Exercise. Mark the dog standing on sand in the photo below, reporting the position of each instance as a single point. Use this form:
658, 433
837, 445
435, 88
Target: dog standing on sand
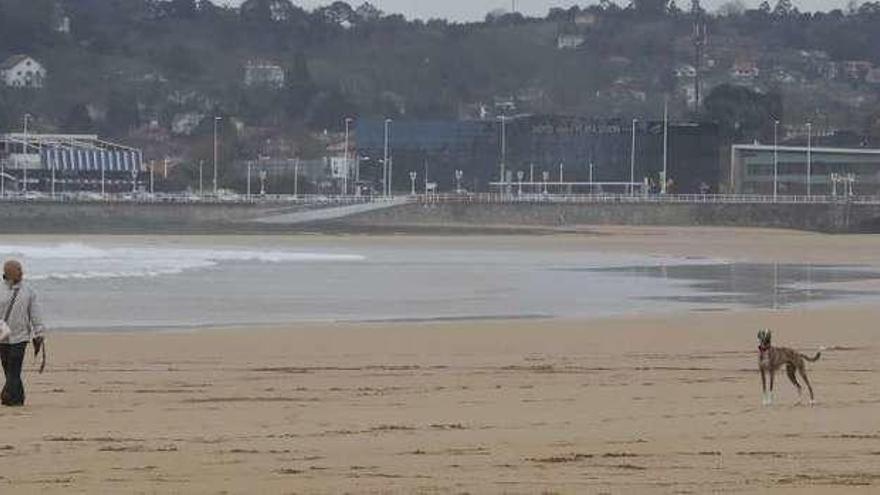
771, 358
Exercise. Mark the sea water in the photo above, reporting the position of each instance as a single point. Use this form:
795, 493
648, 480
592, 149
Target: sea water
104, 283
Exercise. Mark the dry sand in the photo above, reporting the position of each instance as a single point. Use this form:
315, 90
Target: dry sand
667, 404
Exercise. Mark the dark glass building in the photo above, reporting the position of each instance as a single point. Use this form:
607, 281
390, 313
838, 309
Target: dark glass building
538, 144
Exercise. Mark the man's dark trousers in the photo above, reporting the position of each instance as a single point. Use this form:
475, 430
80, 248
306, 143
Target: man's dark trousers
12, 356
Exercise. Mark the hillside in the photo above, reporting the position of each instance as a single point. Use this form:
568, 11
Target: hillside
154, 72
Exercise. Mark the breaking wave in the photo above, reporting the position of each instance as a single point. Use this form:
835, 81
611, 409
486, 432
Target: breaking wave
80, 261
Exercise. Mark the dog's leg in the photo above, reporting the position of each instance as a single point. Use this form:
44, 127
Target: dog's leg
763, 387
790, 370
772, 373
803, 373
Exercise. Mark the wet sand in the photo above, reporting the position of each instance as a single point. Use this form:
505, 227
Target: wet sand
666, 404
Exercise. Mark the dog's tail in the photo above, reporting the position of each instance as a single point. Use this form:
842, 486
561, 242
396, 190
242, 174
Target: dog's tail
816, 357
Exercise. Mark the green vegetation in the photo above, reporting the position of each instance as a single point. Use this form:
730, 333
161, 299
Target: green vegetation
128, 68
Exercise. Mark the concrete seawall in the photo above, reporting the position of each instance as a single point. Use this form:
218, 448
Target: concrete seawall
133, 218
99, 217
832, 218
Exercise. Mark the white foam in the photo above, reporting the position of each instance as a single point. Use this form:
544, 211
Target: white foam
76, 261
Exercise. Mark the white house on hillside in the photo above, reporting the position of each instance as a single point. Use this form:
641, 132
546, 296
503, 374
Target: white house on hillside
22, 71
263, 73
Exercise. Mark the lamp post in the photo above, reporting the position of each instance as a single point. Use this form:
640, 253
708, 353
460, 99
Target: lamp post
632, 159
503, 165
426, 176
561, 174
458, 175
248, 188
412, 183
347, 163
386, 166
809, 159
775, 159
27, 118
296, 178
201, 176
217, 120
102, 176
665, 143
592, 187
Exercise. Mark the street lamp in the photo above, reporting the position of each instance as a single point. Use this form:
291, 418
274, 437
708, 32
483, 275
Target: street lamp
27, 117
775, 159
809, 159
458, 175
201, 176
217, 120
412, 180
248, 187
632, 159
348, 121
264, 175
592, 189
296, 178
503, 151
386, 165
665, 143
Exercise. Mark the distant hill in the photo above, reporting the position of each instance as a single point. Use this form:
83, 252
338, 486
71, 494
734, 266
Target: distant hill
129, 68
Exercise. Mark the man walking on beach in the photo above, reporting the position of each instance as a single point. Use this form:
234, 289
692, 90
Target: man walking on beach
21, 312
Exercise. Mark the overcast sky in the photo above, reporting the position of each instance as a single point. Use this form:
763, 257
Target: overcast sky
477, 9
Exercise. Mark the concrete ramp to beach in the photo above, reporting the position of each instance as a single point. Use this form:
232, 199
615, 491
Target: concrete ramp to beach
330, 213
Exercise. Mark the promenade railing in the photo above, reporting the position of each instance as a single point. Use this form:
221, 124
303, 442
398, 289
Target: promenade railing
318, 200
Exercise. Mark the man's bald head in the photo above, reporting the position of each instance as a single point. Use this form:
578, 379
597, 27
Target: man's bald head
12, 272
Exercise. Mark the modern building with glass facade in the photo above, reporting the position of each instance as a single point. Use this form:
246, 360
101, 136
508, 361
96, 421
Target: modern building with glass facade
754, 167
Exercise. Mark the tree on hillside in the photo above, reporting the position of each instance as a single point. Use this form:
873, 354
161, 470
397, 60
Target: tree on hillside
742, 113
25, 23
649, 7
267, 11
336, 14
300, 86
368, 12
184, 9
784, 9
78, 120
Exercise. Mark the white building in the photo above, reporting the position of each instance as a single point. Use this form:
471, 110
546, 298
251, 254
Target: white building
570, 41
745, 70
261, 73
685, 71
22, 71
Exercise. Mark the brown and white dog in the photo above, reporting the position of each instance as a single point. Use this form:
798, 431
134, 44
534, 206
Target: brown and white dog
771, 358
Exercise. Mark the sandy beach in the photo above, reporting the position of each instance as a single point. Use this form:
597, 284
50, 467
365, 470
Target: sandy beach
655, 403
